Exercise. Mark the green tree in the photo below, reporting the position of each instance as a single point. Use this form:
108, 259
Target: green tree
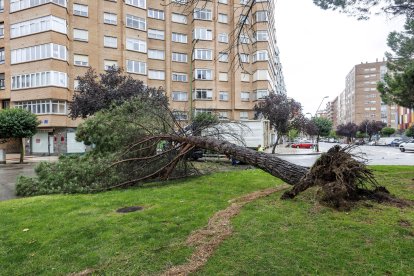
410, 131
388, 131
292, 134
323, 128
18, 123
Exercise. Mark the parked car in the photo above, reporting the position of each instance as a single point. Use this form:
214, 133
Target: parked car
396, 142
359, 142
303, 145
405, 146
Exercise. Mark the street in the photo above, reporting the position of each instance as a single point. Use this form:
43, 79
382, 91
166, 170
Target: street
376, 155
8, 176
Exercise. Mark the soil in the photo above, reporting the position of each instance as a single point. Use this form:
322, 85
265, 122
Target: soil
130, 209
207, 239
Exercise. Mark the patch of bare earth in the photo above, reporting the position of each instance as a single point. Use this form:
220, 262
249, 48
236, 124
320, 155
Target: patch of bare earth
207, 239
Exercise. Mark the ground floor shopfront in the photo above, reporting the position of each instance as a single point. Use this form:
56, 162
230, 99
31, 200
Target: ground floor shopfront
54, 141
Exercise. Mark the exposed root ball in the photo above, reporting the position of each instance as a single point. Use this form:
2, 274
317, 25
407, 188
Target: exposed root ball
344, 178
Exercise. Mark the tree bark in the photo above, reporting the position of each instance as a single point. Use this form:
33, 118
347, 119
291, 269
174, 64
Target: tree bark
21, 151
284, 170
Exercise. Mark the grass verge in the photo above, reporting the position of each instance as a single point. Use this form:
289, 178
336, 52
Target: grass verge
65, 234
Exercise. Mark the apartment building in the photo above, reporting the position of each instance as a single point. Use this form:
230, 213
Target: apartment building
46, 44
361, 100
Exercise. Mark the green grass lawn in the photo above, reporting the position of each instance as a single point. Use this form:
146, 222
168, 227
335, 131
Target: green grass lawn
75, 232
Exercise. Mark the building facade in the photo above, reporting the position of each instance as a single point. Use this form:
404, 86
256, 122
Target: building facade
361, 100
189, 51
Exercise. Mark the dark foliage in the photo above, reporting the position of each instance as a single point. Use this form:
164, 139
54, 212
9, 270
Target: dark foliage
111, 88
371, 128
282, 112
363, 9
348, 130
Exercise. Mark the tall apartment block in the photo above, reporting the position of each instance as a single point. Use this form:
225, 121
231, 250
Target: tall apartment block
46, 44
361, 100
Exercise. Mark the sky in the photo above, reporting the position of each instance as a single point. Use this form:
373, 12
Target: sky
319, 48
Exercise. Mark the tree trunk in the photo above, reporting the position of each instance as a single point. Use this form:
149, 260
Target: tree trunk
286, 171
317, 143
21, 151
276, 143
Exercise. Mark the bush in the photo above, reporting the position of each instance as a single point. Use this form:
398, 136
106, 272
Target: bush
72, 174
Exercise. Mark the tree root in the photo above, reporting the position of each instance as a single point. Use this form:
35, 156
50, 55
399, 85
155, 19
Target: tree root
207, 239
344, 180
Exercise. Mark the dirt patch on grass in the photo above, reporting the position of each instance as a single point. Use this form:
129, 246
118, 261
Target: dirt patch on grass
207, 239
86, 272
404, 223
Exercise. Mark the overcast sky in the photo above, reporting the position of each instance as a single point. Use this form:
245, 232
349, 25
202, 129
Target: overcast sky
319, 48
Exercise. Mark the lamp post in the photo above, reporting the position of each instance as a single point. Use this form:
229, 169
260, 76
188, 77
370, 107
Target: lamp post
316, 113
191, 80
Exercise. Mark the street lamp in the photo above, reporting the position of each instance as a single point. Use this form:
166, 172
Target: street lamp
316, 113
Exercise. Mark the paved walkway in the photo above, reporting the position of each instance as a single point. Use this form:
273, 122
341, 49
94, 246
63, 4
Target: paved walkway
10, 171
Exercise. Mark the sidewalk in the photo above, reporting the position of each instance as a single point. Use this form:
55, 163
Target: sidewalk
15, 158
283, 150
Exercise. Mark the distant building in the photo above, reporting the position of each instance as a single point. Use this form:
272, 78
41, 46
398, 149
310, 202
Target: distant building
361, 100
405, 118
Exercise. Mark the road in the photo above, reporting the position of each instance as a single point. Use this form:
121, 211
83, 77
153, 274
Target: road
8, 176
376, 155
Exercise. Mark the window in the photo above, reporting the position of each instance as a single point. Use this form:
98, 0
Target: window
110, 18
180, 77
156, 75
82, 35
42, 24
202, 14
81, 60
80, 10
223, 2
110, 41
244, 39
1, 29
203, 74
203, 94
223, 38
202, 34
261, 75
156, 34
262, 36
137, 3
179, 96
156, 54
39, 79
156, 14
137, 67
223, 57
180, 38
5, 104
44, 106
244, 2
203, 54
244, 19
179, 18
222, 18
223, 115
245, 77
2, 81
244, 115
179, 57
223, 96
110, 64
245, 96
223, 76
261, 16
261, 94
180, 115
244, 58
1, 5
16, 5
136, 45
136, 22
260, 56
2, 56
76, 85
38, 52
